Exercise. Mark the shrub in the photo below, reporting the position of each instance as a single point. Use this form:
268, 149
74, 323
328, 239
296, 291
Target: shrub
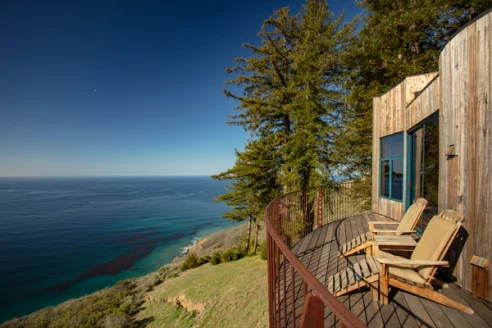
149, 287
263, 251
228, 255
156, 280
216, 258
190, 262
117, 321
152, 282
240, 253
110, 307
43, 321
203, 260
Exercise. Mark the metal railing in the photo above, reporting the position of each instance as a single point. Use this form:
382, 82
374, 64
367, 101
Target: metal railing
295, 296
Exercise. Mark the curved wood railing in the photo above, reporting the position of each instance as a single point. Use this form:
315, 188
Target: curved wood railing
295, 296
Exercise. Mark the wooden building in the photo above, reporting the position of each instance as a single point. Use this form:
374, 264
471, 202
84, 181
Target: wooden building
432, 138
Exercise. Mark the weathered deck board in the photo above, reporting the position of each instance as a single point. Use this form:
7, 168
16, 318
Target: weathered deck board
319, 252
483, 309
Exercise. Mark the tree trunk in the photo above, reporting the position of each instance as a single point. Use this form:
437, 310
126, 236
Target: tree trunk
256, 235
248, 240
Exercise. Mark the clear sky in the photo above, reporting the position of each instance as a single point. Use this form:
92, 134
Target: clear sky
123, 87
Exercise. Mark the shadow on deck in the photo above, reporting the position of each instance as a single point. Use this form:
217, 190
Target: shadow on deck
319, 252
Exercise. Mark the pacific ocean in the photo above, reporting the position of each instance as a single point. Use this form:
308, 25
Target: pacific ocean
62, 238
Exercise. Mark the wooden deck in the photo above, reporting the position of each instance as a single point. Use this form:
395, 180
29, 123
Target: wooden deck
318, 251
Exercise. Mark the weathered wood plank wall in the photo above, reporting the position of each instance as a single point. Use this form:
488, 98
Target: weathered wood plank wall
425, 104
375, 153
465, 181
390, 112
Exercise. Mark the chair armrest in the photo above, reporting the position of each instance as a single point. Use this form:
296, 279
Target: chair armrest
394, 241
392, 231
372, 223
410, 263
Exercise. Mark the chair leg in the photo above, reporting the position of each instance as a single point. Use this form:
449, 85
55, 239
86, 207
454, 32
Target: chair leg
430, 294
374, 291
439, 283
383, 283
374, 249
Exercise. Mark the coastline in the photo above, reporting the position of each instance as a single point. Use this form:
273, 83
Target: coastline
205, 246
218, 241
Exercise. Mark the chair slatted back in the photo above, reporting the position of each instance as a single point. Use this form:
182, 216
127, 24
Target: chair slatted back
413, 214
436, 240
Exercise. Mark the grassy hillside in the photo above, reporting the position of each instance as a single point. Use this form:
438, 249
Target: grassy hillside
231, 294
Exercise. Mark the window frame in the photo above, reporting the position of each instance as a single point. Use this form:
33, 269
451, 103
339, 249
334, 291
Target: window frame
390, 162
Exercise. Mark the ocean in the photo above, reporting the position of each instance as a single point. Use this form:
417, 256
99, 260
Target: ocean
62, 238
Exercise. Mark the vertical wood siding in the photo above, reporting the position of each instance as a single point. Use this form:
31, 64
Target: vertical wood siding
375, 154
427, 103
466, 122
390, 115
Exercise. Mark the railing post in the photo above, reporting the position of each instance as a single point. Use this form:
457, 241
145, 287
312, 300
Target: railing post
320, 207
276, 215
313, 315
286, 240
269, 269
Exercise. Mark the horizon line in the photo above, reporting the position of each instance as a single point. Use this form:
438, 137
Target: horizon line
105, 176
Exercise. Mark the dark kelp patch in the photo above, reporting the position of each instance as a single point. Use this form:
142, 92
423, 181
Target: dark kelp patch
141, 245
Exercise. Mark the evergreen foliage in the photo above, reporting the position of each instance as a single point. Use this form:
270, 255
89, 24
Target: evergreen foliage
253, 182
316, 101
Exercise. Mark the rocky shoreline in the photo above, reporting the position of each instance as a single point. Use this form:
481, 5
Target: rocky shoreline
219, 241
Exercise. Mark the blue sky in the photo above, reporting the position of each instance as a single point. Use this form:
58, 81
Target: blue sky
123, 87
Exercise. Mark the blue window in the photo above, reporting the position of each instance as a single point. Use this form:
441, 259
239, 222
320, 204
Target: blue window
391, 166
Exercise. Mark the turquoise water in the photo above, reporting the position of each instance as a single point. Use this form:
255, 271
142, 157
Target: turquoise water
62, 238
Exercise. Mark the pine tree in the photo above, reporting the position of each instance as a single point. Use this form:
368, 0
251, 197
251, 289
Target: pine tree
290, 106
315, 111
265, 78
253, 184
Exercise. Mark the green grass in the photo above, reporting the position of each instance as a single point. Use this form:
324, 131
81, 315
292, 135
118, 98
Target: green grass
231, 294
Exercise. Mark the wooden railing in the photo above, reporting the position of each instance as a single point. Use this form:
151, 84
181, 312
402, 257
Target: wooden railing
295, 296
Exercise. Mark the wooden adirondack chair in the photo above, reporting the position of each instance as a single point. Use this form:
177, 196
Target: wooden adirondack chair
414, 275
405, 227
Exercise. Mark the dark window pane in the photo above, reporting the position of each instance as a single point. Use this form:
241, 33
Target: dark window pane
430, 170
397, 180
430, 164
392, 146
385, 173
